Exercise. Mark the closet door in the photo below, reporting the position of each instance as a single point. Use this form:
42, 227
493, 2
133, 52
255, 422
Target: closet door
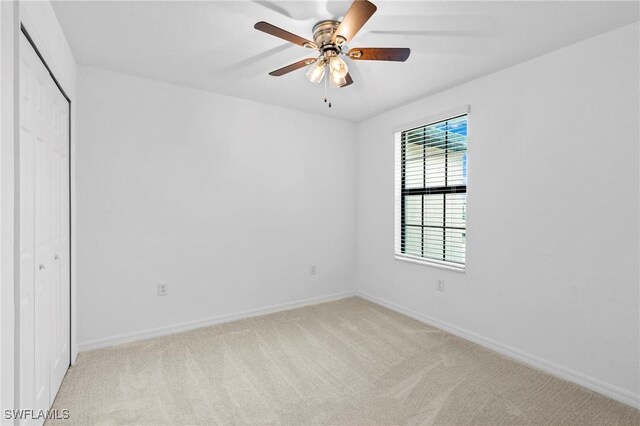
44, 233
43, 238
60, 296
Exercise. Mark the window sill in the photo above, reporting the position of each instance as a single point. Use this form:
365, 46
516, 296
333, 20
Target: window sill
425, 262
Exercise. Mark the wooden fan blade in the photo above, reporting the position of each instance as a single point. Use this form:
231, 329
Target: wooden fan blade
399, 54
292, 67
349, 80
285, 35
359, 13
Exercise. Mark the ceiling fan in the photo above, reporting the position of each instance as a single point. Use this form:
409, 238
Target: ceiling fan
329, 39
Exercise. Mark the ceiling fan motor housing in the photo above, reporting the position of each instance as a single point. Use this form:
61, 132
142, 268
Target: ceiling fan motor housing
323, 33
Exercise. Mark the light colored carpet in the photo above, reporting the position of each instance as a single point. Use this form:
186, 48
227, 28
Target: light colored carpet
343, 362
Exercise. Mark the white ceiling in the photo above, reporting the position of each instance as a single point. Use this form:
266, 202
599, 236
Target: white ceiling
213, 45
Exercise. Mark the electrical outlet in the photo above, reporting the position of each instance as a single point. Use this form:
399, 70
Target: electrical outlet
162, 289
440, 285
312, 270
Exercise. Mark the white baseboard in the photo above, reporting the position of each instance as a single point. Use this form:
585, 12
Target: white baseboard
596, 385
191, 325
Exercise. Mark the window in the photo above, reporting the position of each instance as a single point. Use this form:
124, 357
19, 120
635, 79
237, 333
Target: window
431, 192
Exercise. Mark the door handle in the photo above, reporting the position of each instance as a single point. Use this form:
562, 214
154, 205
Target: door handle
42, 267
56, 257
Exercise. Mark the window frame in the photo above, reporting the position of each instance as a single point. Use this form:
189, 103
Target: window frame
399, 196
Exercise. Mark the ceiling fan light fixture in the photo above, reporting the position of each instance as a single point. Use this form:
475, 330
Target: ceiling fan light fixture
338, 67
330, 38
316, 72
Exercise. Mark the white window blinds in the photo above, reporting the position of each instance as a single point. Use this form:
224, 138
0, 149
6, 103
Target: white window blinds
431, 192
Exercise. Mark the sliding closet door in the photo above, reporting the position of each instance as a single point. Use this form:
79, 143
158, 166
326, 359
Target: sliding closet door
44, 233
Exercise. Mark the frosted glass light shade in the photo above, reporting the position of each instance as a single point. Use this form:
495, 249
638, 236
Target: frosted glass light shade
338, 81
316, 72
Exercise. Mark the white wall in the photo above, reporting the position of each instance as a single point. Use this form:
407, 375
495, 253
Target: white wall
227, 201
553, 206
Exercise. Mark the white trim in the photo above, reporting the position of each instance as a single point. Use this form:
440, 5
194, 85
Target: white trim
431, 262
9, 126
397, 192
591, 383
435, 118
441, 116
220, 319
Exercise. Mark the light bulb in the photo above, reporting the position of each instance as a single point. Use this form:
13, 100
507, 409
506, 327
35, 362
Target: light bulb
338, 67
338, 81
316, 72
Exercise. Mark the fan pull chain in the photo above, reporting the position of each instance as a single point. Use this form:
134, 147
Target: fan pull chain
327, 85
